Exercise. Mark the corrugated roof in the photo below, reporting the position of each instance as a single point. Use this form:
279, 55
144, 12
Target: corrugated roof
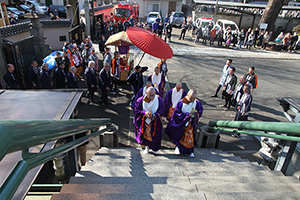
25, 26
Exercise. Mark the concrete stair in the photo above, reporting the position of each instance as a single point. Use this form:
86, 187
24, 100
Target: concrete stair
125, 173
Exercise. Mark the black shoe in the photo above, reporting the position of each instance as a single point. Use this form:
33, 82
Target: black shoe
214, 96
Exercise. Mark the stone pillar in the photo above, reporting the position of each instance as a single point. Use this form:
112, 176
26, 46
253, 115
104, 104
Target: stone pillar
69, 12
87, 18
37, 31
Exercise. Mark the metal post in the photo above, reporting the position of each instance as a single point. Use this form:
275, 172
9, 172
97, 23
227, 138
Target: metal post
240, 23
87, 18
288, 157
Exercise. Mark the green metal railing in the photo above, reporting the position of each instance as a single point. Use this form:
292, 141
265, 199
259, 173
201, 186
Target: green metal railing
21, 135
278, 127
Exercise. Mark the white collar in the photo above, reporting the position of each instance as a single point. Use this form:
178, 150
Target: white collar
186, 108
176, 96
151, 106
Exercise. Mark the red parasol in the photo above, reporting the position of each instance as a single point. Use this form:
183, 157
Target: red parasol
149, 43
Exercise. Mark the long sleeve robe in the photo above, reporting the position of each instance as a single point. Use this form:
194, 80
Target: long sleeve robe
155, 125
178, 124
161, 86
168, 101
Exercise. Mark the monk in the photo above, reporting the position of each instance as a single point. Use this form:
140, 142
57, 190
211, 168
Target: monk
172, 98
142, 92
184, 122
148, 124
158, 81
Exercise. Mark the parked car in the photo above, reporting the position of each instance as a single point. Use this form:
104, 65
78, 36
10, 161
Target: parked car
62, 11
23, 7
16, 12
204, 21
224, 23
152, 16
39, 7
177, 18
12, 15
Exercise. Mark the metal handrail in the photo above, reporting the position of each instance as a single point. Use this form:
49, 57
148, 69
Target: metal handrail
278, 127
19, 135
31, 161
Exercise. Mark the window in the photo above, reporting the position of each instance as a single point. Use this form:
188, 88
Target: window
152, 8
178, 15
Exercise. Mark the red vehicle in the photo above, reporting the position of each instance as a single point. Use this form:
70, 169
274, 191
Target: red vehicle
119, 11
125, 10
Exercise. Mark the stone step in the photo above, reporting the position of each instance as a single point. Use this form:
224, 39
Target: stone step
138, 196
272, 195
247, 187
141, 172
127, 188
90, 178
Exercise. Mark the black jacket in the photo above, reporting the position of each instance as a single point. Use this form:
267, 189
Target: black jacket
10, 80
90, 77
72, 80
45, 79
60, 78
104, 80
33, 77
136, 81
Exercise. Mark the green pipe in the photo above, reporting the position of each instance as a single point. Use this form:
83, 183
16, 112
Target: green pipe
19, 135
281, 137
13, 181
280, 127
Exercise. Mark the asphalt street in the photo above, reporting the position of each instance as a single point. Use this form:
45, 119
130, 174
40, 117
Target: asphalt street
277, 77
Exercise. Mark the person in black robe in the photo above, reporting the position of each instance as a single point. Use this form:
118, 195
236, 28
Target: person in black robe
71, 78
104, 83
10, 77
90, 79
33, 75
60, 76
44, 79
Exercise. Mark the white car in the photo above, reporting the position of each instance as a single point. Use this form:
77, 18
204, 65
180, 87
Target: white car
204, 21
152, 16
224, 23
40, 8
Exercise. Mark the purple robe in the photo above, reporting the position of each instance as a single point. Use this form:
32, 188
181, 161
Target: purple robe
138, 95
178, 122
139, 118
161, 86
168, 101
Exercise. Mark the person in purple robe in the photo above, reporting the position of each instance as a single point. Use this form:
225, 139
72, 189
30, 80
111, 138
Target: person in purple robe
142, 92
171, 99
184, 123
158, 81
148, 124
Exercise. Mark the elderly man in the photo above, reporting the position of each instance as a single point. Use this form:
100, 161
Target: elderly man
148, 124
239, 91
104, 83
71, 78
171, 100
184, 122
10, 78
158, 81
229, 87
44, 78
33, 75
60, 75
244, 107
142, 92
91, 79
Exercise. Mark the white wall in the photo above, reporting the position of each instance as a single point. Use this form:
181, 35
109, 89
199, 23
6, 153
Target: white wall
58, 2
53, 34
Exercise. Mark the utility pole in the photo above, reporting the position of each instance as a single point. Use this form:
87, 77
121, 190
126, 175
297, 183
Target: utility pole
216, 8
87, 18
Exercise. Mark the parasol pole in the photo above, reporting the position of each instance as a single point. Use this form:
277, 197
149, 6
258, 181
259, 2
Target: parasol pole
141, 58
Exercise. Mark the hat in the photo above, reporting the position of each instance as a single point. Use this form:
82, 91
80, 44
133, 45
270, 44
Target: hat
71, 46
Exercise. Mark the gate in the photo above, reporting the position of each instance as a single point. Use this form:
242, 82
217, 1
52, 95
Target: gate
20, 54
75, 35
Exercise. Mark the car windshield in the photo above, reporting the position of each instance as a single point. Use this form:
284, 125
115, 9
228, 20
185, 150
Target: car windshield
121, 12
178, 15
153, 15
12, 9
36, 3
206, 24
232, 26
24, 6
